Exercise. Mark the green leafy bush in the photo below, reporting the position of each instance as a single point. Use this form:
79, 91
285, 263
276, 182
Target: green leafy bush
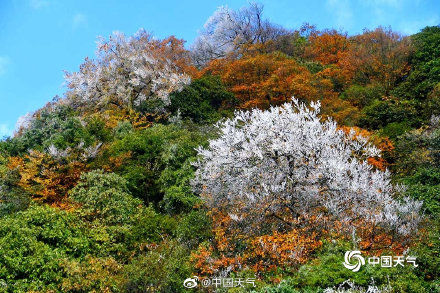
426, 65
361, 96
202, 99
104, 196
158, 166
380, 113
161, 269
194, 228
33, 244
424, 185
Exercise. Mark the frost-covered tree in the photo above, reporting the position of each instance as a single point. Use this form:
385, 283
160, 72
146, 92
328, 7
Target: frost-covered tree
129, 71
227, 30
285, 164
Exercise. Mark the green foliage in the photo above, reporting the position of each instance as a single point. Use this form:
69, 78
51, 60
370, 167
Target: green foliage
158, 167
123, 128
427, 252
141, 169
32, 245
425, 185
394, 129
96, 130
202, 99
162, 269
12, 198
291, 44
177, 193
91, 275
194, 228
418, 148
426, 65
151, 227
379, 113
56, 125
104, 196
361, 96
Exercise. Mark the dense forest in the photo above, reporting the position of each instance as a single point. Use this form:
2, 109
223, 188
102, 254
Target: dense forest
258, 153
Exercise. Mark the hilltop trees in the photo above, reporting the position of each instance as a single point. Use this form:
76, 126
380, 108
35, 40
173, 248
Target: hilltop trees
227, 31
426, 65
129, 72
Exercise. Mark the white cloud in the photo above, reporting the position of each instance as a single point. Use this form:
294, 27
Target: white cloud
343, 12
37, 4
78, 20
4, 62
5, 130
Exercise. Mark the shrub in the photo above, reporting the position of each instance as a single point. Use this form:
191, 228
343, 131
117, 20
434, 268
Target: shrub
156, 165
33, 244
380, 113
104, 196
202, 99
162, 269
194, 228
361, 96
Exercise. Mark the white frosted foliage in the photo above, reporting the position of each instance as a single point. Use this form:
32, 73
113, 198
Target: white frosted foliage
286, 159
127, 72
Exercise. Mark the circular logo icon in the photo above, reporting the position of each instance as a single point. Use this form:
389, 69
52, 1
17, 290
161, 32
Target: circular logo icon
357, 257
206, 282
190, 282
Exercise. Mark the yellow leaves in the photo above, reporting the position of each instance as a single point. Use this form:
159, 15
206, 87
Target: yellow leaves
45, 178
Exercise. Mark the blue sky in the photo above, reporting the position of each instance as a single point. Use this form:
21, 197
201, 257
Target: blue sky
41, 38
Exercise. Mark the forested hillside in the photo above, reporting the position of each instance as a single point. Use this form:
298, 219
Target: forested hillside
256, 152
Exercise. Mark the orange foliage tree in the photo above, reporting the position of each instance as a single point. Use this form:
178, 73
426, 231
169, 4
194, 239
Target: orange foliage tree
233, 249
327, 47
378, 56
262, 80
45, 177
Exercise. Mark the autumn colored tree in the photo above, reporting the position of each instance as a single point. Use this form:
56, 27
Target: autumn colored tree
262, 80
378, 56
48, 176
384, 144
266, 79
327, 47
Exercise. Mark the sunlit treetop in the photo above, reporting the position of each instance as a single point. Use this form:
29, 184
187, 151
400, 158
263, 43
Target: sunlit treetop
130, 71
